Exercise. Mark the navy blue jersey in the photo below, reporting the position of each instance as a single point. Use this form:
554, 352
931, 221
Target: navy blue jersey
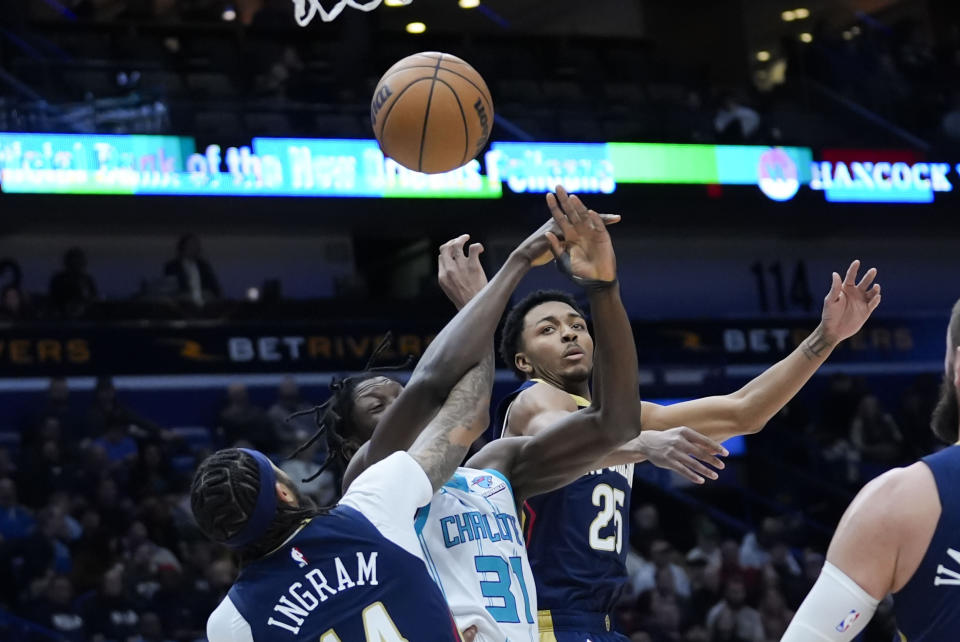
578, 537
928, 607
354, 574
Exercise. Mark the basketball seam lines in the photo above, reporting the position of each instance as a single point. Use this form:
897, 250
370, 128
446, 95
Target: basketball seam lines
386, 116
466, 128
483, 94
426, 115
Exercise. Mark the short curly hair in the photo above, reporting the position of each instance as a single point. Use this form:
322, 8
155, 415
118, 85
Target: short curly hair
512, 334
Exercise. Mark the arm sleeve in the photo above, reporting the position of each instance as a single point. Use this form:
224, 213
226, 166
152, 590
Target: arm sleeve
389, 494
226, 624
836, 610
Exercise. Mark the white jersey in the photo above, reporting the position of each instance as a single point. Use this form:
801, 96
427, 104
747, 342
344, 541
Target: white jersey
474, 548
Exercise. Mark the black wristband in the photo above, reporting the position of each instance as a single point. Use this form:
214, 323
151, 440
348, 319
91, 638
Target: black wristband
563, 264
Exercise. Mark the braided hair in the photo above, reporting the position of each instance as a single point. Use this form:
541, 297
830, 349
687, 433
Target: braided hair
334, 417
223, 496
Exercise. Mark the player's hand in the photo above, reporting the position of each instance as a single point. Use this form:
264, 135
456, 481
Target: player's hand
849, 304
461, 276
536, 247
585, 238
470, 634
684, 451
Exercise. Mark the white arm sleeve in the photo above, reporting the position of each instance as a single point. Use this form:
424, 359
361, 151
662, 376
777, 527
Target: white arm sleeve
389, 494
226, 624
836, 610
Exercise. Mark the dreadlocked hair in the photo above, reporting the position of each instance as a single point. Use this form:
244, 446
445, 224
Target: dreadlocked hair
334, 417
223, 496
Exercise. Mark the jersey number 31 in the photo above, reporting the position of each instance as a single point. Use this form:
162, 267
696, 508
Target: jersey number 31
609, 500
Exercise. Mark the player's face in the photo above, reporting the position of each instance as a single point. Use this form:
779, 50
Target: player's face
370, 399
945, 421
555, 342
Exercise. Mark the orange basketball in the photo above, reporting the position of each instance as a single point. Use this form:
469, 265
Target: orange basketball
431, 112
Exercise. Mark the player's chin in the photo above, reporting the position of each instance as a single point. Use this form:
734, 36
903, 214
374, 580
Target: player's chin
577, 372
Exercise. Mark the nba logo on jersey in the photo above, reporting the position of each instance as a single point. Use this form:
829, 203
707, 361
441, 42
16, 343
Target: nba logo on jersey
848, 621
298, 557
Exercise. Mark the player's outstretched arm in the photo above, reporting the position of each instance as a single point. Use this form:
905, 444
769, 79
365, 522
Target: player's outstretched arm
568, 448
869, 555
846, 308
463, 417
463, 343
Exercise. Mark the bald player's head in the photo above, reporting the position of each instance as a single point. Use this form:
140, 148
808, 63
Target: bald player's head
946, 416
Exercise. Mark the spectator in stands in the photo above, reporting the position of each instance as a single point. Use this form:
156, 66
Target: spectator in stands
153, 474
704, 586
57, 404
15, 520
112, 612
756, 549
241, 421
13, 306
735, 122
107, 412
646, 527
874, 432
72, 289
92, 553
56, 611
289, 434
775, 614
196, 279
708, 547
119, 445
151, 629
747, 623
47, 472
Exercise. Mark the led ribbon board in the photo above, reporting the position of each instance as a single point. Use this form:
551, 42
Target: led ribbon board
174, 165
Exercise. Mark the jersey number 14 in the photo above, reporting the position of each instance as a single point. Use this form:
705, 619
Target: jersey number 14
610, 502
378, 626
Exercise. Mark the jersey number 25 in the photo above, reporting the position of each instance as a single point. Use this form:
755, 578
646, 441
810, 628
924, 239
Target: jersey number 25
609, 500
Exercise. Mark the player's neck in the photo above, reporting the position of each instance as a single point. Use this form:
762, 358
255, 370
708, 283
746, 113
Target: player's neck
579, 388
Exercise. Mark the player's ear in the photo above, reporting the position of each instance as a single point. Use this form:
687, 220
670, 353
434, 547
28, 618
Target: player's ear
285, 494
522, 363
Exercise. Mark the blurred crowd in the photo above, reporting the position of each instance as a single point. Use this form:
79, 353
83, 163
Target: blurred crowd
98, 541
188, 285
865, 82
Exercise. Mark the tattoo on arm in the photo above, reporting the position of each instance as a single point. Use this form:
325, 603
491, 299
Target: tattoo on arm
445, 441
815, 345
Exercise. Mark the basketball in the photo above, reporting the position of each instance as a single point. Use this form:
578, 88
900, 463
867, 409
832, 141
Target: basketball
431, 112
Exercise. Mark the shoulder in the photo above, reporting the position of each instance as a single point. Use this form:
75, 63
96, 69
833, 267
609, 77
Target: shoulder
499, 455
889, 507
226, 624
537, 400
